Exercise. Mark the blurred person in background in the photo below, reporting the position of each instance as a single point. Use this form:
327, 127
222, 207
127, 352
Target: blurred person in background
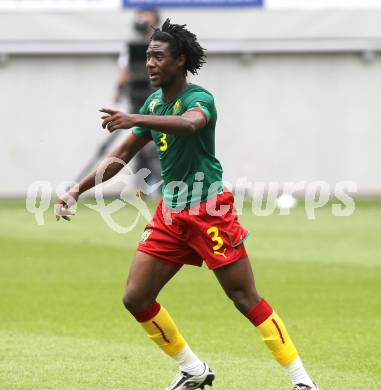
133, 85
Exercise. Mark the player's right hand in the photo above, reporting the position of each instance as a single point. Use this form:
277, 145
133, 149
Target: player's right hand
62, 208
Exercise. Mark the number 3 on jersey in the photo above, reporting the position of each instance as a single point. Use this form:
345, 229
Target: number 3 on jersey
164, 144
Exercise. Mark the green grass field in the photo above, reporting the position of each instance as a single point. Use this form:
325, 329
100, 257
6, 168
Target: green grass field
63, 326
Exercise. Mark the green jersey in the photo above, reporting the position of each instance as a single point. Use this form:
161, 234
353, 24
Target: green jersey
191, 173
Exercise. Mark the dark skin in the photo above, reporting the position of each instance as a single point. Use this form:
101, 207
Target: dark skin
147, 275
168, 73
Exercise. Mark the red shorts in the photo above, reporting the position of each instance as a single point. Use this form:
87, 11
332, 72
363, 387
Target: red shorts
180, 238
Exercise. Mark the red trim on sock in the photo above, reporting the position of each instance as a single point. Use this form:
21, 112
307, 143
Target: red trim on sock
202, 112
260, 313
279, 331
149, 313
161, 331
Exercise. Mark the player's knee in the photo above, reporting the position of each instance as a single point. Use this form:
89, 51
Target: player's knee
134, 302
244, 300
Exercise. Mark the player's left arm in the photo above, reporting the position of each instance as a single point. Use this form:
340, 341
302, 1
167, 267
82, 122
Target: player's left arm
185, 124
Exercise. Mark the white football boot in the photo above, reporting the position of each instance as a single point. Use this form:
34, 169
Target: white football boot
185, 381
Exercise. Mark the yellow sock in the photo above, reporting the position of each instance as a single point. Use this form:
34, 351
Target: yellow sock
161, 329
273, 332
275, 336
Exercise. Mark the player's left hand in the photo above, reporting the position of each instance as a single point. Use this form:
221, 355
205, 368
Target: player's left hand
66, 201
115, 120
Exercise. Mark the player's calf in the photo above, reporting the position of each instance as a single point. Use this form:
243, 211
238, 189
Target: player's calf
162, 330
277, 339
237, 280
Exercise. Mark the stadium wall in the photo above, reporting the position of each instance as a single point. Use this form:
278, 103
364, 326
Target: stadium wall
284, 115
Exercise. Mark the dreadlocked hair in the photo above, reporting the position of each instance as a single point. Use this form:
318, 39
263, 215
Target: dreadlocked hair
181, 41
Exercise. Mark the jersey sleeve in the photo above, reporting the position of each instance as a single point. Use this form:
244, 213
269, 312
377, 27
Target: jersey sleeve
141, 131
202, 102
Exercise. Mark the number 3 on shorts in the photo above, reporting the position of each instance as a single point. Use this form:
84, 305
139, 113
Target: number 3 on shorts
164, 144
215, 238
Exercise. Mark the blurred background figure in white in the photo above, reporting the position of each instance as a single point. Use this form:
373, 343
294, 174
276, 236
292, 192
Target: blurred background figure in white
132, 84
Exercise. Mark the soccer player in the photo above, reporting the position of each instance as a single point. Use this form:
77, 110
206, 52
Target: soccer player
188, 226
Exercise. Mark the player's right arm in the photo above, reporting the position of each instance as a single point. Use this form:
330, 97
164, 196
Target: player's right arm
110, 167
